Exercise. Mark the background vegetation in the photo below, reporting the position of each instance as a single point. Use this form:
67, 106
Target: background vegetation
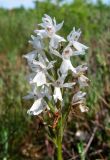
23, 137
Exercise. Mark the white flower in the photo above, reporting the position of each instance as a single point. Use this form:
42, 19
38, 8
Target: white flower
80, 47
83, 81
57, 94
57, 90
55, 40
38, 107
79, 96
50, 25
73, 38
31, 55
82, 68
50, 29
74, 35
37, 93
67, 52
41, 69
79, 99
36, 42
40, 79
66, 64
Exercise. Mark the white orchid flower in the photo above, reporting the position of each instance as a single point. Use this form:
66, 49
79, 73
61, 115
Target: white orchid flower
57, 94
57, 90
38, 107
79, 96
31, 55
39, 46
66, 64
38, 52
74, 35
73, 40
50, 29
83, 81
80, 47
37, 93
41, 69
79, 99
36, 42
81, 68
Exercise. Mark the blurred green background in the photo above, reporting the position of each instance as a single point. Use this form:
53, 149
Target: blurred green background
23, 137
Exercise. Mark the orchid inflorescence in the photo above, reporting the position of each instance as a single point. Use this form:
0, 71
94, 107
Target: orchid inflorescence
52, 72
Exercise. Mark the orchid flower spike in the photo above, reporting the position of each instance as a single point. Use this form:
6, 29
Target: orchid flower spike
49, 67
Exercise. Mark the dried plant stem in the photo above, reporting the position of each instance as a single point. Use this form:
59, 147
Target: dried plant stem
90, 141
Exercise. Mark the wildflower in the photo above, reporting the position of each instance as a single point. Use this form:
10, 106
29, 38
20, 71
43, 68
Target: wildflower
79, 100
57, 90
38, 107
79, 96
43, 73
49, 30
73, 40
66, 64
83, 81
41, 69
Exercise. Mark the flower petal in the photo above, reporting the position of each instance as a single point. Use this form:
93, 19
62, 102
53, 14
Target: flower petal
41, 33
40, 79
78, 96
36, 108
31, 55
83, 108
57, 94
55, 40
83, 81
59, 26
80, 47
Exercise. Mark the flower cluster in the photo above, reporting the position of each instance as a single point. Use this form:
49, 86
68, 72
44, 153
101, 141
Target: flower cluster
50, 66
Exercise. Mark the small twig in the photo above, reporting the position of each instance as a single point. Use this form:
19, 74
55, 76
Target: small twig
73, 158
98, 124
90, 141
96, 152
104, 101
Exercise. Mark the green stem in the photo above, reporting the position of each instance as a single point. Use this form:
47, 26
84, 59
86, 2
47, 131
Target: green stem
59, 150
59, 141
